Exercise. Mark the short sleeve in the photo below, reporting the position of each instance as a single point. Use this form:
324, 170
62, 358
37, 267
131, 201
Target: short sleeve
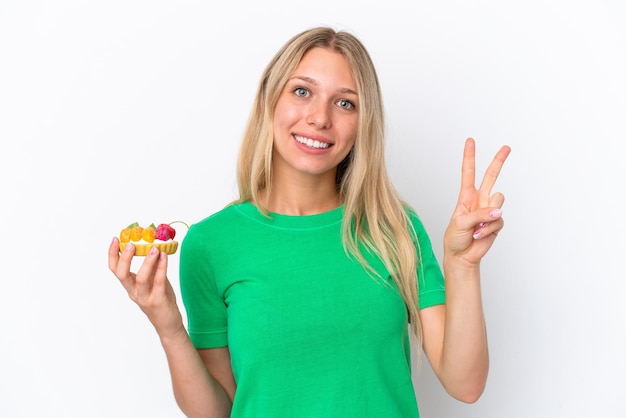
430, 280
204, 305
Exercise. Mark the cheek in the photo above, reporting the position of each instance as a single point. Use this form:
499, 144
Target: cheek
352, 138
349, 130
284, 116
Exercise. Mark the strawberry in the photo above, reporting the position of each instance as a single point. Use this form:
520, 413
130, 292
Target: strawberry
165, 232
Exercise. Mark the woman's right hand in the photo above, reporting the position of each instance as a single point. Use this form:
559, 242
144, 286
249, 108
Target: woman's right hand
198, 388
149, 287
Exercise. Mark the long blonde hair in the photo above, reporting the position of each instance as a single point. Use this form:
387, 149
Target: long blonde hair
374, 215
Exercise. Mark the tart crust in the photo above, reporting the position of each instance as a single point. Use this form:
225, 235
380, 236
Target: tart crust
169, 247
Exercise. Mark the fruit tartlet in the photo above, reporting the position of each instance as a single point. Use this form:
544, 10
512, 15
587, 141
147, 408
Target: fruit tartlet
145, 238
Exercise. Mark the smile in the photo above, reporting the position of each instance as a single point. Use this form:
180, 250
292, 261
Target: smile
311, 143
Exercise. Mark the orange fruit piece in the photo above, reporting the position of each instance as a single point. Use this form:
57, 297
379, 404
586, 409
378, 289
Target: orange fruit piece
125, 235
135, 233
149, 233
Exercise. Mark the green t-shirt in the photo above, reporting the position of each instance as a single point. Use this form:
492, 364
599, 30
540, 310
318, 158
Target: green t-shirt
310, 333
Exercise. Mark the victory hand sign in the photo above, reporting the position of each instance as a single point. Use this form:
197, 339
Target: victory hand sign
477, 218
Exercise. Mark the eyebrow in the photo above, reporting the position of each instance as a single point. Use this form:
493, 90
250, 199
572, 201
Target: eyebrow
314, 82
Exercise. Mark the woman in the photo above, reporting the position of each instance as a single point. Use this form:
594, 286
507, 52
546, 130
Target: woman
300, 294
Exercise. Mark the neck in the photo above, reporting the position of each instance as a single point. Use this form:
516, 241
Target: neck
299, 198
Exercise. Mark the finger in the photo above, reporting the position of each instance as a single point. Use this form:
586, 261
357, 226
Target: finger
145, 275
468, 167
124, 259
496, 200
489, 228
114, 254
490, 212
492, 173
160, 277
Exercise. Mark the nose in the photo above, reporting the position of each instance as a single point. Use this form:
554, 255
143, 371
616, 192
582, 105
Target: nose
318, 114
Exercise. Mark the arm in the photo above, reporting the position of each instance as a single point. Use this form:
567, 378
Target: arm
454, 334
202, 381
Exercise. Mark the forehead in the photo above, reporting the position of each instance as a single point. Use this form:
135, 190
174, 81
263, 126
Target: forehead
325, 65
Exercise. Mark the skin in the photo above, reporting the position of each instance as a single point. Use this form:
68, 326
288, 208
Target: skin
319, 102
202, 380
455, 336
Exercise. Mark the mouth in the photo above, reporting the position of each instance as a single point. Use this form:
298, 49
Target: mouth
311, 143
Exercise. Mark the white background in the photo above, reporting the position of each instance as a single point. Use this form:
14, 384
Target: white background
120, 111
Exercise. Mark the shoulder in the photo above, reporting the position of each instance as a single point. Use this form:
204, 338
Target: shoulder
414, 220
227, 214
215, 225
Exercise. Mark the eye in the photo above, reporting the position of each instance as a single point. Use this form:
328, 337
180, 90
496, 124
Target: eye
345, 104
301, 92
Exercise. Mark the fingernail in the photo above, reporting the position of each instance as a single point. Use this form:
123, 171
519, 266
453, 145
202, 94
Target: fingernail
113, 240
483, 224
129, 247
153, 250
496, 213
477, 235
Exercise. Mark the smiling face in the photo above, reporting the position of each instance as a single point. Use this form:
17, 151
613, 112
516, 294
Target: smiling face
316, 117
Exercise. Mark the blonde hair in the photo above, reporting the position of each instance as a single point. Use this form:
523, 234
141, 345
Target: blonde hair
374, 215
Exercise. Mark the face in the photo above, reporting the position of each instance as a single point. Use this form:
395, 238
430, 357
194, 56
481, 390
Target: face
316, 117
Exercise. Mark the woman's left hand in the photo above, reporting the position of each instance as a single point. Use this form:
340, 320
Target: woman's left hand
477, 218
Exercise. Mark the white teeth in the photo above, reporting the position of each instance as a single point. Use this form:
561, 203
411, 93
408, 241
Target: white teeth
311, 143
